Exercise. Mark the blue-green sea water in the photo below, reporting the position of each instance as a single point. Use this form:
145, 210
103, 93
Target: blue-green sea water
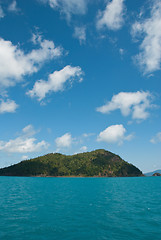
80, 208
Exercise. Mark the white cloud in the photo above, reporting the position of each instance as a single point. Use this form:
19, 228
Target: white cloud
56, 82
24, 157
64, 141
83, 149
24, 143
13, 7
68, 7
135, 103
86, 135
20, 145
149, 58
121, 51
112, 16
14, 63
28, 131
80, 33
114, 134
156, 138
1, 12
8, 106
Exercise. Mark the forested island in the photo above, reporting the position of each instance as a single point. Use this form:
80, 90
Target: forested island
98, 163
156, 174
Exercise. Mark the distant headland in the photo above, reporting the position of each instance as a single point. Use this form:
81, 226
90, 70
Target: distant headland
98, 163
154, 173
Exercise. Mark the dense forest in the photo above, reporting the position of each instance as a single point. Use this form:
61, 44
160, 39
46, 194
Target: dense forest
99, 163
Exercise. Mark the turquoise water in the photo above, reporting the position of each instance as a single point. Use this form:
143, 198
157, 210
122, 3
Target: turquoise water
80, 208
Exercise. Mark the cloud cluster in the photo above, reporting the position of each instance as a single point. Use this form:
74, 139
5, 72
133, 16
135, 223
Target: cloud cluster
112, 16
83, 149
68, 7
64, 141
135, 103
80, 33
114, 134
25, 143
8, 106
15, 63
13, 7
149, 58
28, 131
156, 138
56, 82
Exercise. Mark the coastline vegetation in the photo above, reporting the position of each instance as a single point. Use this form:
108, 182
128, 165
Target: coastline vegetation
98, 163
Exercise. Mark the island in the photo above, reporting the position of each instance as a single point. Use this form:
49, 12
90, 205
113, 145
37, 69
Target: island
149, 174
156, 174
98, 163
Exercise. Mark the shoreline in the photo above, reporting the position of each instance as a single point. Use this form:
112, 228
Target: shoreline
41, 176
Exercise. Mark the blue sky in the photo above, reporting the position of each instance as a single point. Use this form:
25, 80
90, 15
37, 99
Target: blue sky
80, 75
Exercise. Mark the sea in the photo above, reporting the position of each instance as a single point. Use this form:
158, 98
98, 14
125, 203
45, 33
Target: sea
35, 208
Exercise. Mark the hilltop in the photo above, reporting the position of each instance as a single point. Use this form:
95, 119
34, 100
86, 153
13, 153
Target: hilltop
98, 163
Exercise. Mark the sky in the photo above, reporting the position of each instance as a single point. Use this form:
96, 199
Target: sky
76, 76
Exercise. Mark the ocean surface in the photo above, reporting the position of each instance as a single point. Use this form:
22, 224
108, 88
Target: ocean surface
80, 208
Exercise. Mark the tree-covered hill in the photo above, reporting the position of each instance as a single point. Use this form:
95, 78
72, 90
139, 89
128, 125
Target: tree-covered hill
99, 163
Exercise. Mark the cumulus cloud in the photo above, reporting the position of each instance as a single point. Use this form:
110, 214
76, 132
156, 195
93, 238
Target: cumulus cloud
135, 103
68, 7
15, 63
114, 134
64, 141
156, 138
80, 33
112, 16
83, 149
56, 82
148, 30
13, 7
28, 131
8, 106
25, 143
20, 145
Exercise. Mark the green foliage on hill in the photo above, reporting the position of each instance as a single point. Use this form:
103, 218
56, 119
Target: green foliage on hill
96, 163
